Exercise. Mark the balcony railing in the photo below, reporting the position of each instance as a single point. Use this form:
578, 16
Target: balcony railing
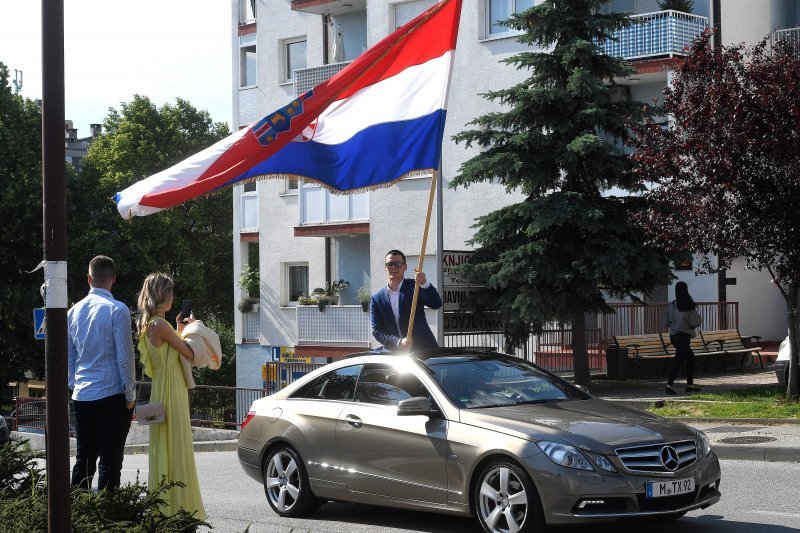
658, 34
338, 324
307, 78
791, 36
250, 327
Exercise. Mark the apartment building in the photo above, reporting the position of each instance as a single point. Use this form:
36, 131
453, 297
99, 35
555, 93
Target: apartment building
299, 235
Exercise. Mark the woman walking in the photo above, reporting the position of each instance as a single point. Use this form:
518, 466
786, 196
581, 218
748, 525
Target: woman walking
682, 319
160, 346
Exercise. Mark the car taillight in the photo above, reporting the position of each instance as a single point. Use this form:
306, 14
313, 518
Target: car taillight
248, 418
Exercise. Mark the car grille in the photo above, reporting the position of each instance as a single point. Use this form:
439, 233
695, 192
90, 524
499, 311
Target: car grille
651, 458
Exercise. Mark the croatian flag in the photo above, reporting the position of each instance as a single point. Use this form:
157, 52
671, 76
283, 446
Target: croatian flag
379, 120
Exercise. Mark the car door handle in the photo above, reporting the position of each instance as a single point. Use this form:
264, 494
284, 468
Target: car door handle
353, 420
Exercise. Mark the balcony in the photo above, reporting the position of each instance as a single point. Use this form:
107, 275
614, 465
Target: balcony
329, 7
657, 35
308, 78
250, 327
318, 206
342, 326
791, 36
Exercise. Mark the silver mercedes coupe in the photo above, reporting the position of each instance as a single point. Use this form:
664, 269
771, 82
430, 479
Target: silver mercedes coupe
471, 432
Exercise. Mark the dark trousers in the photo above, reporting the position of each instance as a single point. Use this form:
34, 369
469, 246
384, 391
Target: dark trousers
101, 427
683, 356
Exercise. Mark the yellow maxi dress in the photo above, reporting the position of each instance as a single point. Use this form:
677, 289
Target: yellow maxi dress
171, 450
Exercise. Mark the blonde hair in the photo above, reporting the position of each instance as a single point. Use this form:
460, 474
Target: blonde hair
155, 290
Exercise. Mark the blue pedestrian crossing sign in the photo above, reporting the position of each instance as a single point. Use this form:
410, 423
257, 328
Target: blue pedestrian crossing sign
39, 323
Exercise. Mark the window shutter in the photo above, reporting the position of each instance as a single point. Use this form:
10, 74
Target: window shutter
408, 11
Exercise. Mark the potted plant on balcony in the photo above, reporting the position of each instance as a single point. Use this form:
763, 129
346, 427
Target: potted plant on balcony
305, 299
249, 281
248, 304
322, 301
331, 290
364, 297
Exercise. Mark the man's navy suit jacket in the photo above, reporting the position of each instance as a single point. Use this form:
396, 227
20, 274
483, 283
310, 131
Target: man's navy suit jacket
384, 328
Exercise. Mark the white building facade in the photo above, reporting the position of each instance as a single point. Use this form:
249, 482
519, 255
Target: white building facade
300, 236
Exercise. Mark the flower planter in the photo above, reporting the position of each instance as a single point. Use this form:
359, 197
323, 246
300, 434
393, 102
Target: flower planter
321, 306
365, 306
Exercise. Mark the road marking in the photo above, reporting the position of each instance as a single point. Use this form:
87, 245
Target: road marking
776, 513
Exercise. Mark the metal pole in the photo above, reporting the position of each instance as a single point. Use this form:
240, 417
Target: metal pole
55, 256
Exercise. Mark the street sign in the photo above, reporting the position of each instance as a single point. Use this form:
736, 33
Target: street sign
456, 289
458, 322
39, 324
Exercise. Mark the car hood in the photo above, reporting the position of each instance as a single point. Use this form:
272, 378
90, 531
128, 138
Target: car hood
594, 424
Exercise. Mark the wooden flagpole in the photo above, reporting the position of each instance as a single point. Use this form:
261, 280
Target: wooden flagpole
410, 333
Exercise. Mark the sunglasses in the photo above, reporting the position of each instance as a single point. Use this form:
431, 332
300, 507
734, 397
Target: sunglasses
394, 264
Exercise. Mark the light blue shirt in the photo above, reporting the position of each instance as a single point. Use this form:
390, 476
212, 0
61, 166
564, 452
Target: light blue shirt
100, 353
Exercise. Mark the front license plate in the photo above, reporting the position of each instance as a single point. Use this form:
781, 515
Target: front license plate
674, 487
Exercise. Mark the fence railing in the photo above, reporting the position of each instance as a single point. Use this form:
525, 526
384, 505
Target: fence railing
658, 34
640, 319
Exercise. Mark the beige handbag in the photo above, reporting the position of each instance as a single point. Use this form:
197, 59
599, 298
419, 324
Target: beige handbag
150, 413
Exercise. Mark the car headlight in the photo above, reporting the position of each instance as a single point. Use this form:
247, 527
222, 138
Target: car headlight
705, 444
601, 461
564, 455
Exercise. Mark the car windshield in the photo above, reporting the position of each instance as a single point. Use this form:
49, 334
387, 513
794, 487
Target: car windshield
473, 382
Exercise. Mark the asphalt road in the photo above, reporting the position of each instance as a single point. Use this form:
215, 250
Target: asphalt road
757, 497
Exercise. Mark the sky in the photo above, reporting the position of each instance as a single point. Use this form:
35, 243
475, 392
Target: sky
162, 49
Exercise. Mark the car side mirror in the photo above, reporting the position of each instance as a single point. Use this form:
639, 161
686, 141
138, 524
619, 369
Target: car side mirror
419, 405
583, 388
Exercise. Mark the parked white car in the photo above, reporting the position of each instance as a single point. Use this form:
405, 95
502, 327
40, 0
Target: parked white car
782, 362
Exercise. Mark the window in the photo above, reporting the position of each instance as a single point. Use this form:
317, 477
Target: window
296, 281
295, 57
247, 61
249, 209
336, 385
405, 12
247, 10
499, 10
384, 385
290, 186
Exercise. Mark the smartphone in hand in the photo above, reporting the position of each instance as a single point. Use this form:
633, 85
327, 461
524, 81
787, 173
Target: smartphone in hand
186, 309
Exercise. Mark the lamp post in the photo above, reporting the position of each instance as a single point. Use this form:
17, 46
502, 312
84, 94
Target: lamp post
55, 256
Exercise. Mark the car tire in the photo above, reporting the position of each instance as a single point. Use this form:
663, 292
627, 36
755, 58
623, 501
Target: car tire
504, 492
286, 484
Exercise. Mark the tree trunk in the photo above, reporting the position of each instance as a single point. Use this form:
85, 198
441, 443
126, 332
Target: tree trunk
793, 306
580, 356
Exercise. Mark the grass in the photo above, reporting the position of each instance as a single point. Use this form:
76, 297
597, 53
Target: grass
755, 402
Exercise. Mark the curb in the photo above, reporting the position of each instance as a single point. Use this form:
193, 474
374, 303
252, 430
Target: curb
199, 446
740, 453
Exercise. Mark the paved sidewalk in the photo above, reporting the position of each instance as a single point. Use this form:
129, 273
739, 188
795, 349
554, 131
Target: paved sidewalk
743, 439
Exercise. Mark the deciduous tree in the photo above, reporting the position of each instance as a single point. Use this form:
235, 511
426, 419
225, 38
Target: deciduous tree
557, 137
727, 166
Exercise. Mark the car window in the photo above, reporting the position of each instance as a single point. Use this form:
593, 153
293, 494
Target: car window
493, 382
385, 385
336, 385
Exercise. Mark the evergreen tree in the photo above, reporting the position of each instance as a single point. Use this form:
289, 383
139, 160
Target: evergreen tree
558, 137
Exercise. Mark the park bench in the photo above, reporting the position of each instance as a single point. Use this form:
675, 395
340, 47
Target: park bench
657, 346
729, 341
643, 347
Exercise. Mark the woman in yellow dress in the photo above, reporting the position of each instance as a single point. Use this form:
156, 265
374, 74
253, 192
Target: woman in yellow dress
171, 450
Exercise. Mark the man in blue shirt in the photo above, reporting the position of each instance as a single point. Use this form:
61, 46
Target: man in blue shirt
390, 307
101, 377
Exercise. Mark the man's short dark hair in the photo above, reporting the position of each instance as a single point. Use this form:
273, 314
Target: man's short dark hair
101, 268
396, 252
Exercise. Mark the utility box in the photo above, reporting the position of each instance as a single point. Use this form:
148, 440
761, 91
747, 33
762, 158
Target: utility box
616, 363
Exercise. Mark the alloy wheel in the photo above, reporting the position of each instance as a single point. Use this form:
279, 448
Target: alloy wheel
502, 501
283, 481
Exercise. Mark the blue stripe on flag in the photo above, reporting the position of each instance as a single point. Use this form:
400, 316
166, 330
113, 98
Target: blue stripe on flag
364, 160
